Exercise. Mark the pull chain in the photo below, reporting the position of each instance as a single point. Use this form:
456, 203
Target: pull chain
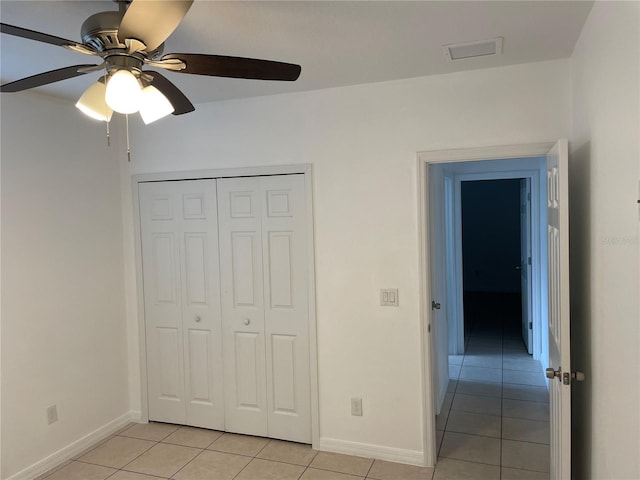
106, 108
128, 146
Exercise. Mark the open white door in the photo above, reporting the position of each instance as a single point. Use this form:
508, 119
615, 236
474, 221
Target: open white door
559, 343
437, 255
525, 263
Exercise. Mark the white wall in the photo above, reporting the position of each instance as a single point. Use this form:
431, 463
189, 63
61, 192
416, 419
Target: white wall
63, 316
605, 315
362, 142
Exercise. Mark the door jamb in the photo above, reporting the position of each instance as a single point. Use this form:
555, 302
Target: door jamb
304, 169
424, 159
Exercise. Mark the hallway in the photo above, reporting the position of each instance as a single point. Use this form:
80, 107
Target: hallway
494, 424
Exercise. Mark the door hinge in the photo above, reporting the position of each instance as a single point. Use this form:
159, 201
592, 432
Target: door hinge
435, 305
529, 196
530, 325
529, 260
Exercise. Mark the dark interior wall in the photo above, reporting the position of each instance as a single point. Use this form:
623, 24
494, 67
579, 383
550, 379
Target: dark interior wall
491, 235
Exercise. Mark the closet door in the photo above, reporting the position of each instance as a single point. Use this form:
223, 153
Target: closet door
239, 220
182, 303
284, 249
265, 307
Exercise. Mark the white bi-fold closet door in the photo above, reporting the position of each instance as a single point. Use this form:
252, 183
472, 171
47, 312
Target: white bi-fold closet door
181, 282
265, 306
226, 307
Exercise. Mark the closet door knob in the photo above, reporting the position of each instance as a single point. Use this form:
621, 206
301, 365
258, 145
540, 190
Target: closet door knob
247, 321
197, 319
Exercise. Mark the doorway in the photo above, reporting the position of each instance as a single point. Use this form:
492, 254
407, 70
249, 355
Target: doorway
495, 390
444, 308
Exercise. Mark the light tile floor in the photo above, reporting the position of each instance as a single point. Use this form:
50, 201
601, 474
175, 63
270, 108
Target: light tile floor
494, 423
162, 451
493, 426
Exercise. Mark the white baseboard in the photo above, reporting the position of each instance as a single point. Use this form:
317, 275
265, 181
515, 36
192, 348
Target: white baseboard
136, 416
379, 452
75, 448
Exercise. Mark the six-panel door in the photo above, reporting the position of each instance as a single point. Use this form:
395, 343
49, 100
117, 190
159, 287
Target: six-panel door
182, 302
259, 346
265, 306
559, 318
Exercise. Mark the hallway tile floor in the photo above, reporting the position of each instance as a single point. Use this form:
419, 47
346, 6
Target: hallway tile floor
494, 423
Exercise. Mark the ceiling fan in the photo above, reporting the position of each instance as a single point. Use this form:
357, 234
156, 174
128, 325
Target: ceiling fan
129, 40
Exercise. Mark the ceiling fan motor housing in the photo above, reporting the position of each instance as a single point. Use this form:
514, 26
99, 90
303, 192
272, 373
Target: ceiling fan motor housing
100, 32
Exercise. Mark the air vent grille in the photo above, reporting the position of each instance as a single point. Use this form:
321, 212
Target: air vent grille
482, 48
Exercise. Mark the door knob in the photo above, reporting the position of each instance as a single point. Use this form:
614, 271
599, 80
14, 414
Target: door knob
197, 319
247, 321
551, 373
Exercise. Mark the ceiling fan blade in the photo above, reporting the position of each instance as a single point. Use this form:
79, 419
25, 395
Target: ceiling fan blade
45, 38
45, 78
236, 67
152, 21
181, 104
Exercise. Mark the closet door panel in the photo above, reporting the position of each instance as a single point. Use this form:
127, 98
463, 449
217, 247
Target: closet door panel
182, 302
241, 269
162, 302
286, 308
204, 378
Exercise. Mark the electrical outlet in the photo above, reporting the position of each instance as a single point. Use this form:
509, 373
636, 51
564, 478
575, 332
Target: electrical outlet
52, 414
356, 407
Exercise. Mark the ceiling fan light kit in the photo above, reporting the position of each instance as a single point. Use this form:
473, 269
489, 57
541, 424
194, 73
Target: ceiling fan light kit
92, 103
154, 105
129, 39
123, 92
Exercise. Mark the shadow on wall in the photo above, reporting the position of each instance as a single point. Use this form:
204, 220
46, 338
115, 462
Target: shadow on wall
580, 292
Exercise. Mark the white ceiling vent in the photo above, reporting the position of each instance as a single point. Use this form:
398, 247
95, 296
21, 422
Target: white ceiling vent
457, 51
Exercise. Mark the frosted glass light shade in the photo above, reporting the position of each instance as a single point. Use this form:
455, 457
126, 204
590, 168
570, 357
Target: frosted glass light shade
154, 105
123, 92
92, 103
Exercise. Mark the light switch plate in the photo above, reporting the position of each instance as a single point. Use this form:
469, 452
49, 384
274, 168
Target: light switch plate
356, 407
389, 297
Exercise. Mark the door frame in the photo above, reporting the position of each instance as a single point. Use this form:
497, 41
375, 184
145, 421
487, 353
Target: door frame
304, 169
424, 159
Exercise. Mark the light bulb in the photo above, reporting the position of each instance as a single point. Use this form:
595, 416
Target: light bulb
123, 92
92, 103
154, 105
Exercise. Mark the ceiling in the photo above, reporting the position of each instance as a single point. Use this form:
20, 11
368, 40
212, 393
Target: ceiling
338, 43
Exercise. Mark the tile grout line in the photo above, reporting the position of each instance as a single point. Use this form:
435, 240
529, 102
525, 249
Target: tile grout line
182, 468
